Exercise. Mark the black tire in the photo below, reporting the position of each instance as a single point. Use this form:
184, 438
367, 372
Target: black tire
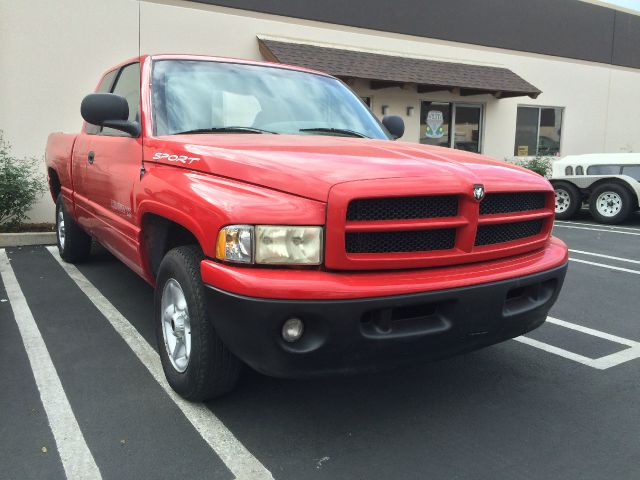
212, 370
567, 193
624, 196
75, 247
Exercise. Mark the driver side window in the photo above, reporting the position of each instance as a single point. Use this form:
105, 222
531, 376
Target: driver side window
128, 86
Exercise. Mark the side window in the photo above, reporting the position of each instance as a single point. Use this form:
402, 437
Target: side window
604, 170
104, 87
632, 170
568, 171
128, 86
579, 171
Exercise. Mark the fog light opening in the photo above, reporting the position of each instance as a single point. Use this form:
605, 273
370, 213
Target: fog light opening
292, 330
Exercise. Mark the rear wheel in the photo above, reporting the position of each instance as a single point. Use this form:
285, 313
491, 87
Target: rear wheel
568, 200
610, 203
74, 244
198, 366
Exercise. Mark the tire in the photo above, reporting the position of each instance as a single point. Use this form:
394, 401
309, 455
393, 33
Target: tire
610, 203
202, 367
568, 200
74, 244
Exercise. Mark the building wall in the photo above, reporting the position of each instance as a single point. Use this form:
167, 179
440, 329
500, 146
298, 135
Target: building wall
53, 66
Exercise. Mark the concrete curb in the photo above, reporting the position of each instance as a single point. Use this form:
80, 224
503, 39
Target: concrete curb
27, 238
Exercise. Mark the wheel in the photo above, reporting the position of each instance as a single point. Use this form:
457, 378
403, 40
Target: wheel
610, 203
568, 200
198, 366
74, 244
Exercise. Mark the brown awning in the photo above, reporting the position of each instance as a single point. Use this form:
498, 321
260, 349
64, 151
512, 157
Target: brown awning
387, 70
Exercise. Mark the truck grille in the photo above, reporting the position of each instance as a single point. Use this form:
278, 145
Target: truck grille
402, 208
506, 232
413, 231
512, 202
409, 241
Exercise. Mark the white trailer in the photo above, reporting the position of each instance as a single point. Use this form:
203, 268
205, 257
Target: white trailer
609, 183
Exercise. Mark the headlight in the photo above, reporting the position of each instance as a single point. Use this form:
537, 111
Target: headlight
270, 244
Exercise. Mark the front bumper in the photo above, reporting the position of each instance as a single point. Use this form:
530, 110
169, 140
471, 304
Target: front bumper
350, 335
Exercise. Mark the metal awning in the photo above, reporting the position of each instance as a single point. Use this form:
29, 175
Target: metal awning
385, 71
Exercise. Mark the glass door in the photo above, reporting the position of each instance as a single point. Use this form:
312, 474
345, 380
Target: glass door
453, 125
467, 120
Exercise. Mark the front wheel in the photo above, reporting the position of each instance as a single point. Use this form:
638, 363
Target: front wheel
610, 203
198, 366
568, 200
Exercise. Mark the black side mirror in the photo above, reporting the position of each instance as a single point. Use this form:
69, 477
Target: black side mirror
108, 110
394, 124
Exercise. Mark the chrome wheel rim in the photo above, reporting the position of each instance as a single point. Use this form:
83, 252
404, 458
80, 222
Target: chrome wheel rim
61, 235
609, 204
176, 327
563, 201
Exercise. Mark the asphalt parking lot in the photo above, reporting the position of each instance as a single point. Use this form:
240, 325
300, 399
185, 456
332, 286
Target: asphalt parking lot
78, 350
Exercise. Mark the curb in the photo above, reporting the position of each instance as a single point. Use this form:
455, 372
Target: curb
28, 238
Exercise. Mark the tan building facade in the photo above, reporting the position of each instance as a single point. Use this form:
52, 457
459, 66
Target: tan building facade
577, 105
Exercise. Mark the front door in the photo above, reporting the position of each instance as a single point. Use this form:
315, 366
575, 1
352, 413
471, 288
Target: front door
108, 163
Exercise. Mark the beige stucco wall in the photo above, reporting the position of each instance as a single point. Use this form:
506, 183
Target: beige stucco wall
47, 70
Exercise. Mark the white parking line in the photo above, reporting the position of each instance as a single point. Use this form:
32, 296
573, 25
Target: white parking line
77, 460
604, 265
601, 363
236, 457
598, 225
597, 229
620, 259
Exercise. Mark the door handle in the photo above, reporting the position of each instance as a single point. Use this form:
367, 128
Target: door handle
90, 157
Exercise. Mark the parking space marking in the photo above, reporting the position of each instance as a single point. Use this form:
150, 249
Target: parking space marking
598, 229
602, 363
620, 259
597, 225
77, 460
236, 457
604, 265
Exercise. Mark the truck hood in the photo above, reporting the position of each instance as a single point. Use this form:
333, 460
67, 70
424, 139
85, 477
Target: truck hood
309, 165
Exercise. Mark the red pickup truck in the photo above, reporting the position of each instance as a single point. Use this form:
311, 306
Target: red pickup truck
282, 227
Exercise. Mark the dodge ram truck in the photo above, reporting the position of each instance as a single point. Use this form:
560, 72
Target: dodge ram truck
284, 228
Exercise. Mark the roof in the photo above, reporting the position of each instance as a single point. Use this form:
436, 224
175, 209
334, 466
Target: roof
390, 70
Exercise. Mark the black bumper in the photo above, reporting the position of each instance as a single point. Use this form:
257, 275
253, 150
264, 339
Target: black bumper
344, 336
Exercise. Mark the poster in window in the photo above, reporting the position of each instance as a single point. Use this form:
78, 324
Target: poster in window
435, 119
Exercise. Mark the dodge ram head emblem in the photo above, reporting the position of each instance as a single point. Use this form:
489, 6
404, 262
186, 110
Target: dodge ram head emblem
478, 192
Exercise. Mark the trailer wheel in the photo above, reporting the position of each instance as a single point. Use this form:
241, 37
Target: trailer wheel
196, 363
74, 244
610, 203
568, 200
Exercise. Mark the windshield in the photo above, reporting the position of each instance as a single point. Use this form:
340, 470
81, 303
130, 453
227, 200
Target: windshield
213, 97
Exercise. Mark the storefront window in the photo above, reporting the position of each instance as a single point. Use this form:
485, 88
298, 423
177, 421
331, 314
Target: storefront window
451, 125
538, 131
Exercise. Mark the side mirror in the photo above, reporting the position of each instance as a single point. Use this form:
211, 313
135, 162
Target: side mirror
108, 110
394, 124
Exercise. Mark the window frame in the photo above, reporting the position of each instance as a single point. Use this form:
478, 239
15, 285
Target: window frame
540, 108
118, 133
453, 104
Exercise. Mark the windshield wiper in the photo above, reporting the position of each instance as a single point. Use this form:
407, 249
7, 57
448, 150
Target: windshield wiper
226, 130
343, 131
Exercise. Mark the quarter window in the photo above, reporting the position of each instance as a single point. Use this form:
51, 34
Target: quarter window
538, 131
568, 171
579, 171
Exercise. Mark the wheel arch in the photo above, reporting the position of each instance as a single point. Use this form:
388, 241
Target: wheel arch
55, 186
163, 230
